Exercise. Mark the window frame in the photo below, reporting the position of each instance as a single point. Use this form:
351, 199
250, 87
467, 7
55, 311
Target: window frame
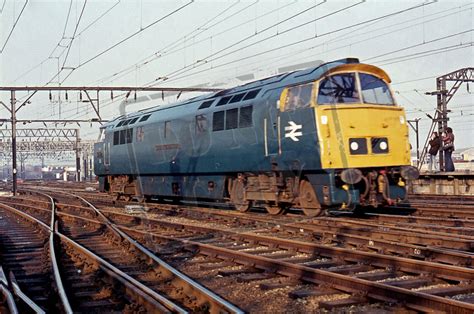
284, 97
359, 87
356, 84
214, 121
251, 116
144, 117
388, 88
234, 118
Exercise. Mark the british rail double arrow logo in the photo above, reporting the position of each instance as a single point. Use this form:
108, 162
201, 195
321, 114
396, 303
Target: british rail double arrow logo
293, 131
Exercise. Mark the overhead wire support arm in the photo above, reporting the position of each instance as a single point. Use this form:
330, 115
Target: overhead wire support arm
26, 101
96, 109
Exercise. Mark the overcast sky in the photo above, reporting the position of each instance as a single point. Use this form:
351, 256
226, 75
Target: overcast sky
213, 42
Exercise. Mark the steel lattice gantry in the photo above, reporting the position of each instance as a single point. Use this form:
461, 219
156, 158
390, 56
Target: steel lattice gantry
444, 95
93, 97
45, 142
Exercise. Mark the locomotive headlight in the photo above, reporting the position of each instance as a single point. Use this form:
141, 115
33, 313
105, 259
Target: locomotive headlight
402, 120
358, 146
379, 145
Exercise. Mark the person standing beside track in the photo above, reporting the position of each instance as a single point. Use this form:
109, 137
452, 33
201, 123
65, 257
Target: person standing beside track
448, 148
435, 144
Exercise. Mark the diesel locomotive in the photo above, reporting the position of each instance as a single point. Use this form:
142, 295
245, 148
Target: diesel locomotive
329, 137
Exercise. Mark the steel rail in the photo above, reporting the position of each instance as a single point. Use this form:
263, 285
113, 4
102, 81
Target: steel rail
16, 289
7, 293
393, 233
131, 284
410, 265
453, 257
24, 297
416, 250
52, 252
217, 301
164, 304
454, 222
413, 299
10, 300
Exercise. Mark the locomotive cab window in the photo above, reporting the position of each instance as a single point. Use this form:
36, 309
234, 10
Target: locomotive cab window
338, 89
298, 97
375, 90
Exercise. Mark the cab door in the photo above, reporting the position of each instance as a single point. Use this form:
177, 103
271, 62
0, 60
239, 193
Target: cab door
271, 129
106, 155
298, 141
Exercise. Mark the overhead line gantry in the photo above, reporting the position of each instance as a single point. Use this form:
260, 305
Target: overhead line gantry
87, 90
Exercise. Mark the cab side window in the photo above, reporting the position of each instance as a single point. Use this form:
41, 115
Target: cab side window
298, 97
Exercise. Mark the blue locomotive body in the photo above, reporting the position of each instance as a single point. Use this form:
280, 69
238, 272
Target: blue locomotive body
238, 144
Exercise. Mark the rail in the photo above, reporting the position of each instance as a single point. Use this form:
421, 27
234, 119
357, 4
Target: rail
217, 301
158, 302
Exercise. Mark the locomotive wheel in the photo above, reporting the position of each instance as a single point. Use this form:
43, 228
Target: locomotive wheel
274, 209
238, 196
308, 200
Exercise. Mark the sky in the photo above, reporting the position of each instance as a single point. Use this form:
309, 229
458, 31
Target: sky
189, 43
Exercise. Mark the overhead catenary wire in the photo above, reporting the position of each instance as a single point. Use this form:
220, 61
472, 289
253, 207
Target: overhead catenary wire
163, 51
69, 46
67, 18
419, 44
98, 18
344, 37
127, 38
338, 30
74, 33
199, 63
58, 44
3, 6
312, 37
13, 27
425, 53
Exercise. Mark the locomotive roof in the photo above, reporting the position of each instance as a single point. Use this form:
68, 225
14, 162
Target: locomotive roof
284, 79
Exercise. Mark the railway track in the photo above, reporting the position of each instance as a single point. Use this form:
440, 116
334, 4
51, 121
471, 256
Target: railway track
73, 282
351, 273
397, 235
446, 199
158, 289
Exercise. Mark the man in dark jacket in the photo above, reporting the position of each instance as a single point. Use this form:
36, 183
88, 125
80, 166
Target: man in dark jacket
435, 144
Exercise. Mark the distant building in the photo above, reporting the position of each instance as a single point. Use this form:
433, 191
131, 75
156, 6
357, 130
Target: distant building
464, 154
